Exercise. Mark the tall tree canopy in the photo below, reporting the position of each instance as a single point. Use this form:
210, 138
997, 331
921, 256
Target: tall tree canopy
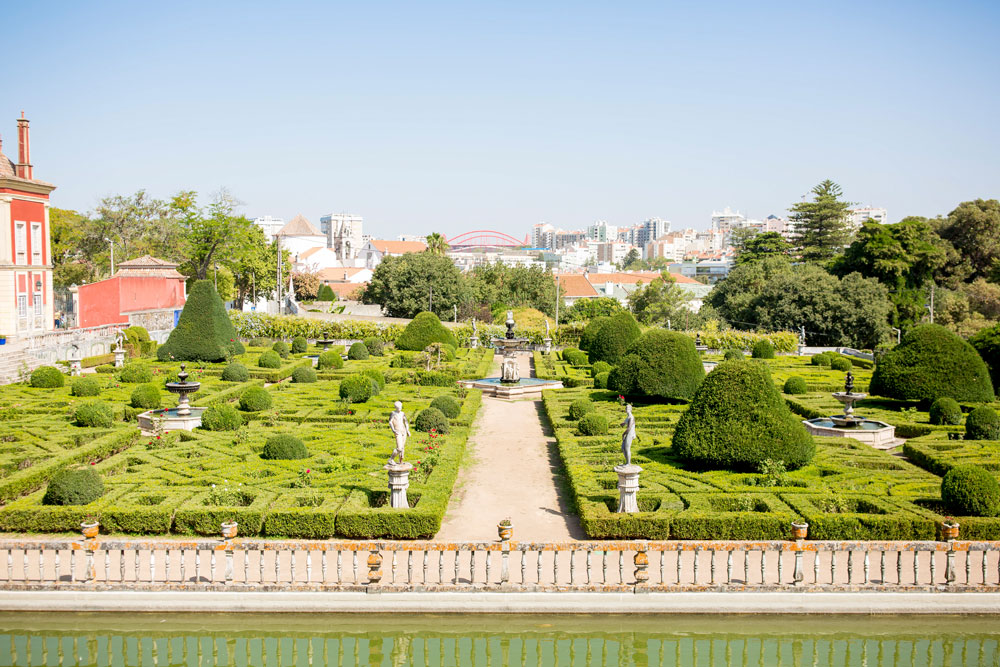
212, 234
821, 224
408, 284
437, 244
660, 301
504, 286
754, 247
974, 229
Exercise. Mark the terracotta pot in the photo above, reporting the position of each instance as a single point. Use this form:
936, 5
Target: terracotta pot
90, 530
229, 530
505, 532
800, 530
949, 531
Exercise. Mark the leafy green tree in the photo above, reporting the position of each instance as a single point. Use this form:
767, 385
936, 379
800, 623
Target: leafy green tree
585, 310
631, 261
255, 268
821, 224
973, 228
69, 265
436, 244
759, 246
504, 286
212, 234
137, 224
406, 285
659, 301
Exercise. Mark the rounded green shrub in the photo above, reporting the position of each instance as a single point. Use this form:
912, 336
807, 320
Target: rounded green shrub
795, 385
580, 407
945, 410
614, 338
303, 375
732, 354
377, 375
74, 486
592, 423
329, 359
299, 345
281, 347
326, 293
821, 359
575, 357
982, 424
842, 364
425, 329
255, 399
94, 413
260, 341
448, 405
269, 359
136, 335
145, 397
47, 377
659, 364
235, 372
929, 363
356, 388
601, 380
84, 386
762, 349
204, 331
590, 332
737, 419
284, 447
136, 373
376, 347
435, 379
600, 367
431, 419
221, 417
969, 490
105, 369
358, 352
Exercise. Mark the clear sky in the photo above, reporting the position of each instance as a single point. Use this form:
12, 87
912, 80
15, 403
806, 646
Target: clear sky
456, 116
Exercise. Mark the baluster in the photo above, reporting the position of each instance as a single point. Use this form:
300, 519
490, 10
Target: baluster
277, 565
457, 553
899, 565
881, 568
781, 559
152, 565
41, 564
10, 561
983, 564
440, 562
850, 565
697, 552
197, 565
393, 566
916, 566
488, 554
355, 561
229, 562
291, 558
998, 566
322, 562
211, 570
137, 568
746, 565
260, 562
833, 567
409, 564
107, 563
621, 565
590, 552
866, 563
763, 562
816, 566
309, 563
183, 564
340, 560
729, 563
166, 563
712, 562
933, 555
968, 561
91, 572
427, 555
24, 561
604, 564
472, 562
555, 565
539, 563
524, 558
246, 562
663, 564
57, 566
72, 566
572, 559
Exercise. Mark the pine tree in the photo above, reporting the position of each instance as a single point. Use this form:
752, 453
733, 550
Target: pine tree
821, 229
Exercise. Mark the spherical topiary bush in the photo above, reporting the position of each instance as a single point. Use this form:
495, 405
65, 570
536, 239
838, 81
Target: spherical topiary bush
358, 352
590, 332
575, 357
94, 413
601, 380
660, 364
356, 388
47, 377
85, 387
737, 419
969, 490
795, 385
945, 410
284, 447
235, 372
269, 359
375, 346
592, 423
255, 399
376, 375
982, 424
821, 359
580, 407
929, 363
600, 367
74, 486
431, 419
425, 329
842, 364
762, 349
303, 375
221, 417
614, 338
732, 354
448, 405
281, 347
299, 345
329, 360
136, 373
145, 397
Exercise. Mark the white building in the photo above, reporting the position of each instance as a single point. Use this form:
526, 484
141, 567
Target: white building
375, 250
270, 226
543, 235
727, 220
602, 232
859, 216
613, 252
300, 235
343, 233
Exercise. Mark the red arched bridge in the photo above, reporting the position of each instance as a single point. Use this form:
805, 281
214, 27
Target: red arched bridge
485, 238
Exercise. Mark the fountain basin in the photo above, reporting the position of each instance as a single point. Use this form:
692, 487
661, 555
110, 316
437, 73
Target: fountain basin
869, 431
314, 358
171, 419
523, 388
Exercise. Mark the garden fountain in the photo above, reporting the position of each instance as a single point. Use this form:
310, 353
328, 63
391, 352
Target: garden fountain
848, 425
183, 417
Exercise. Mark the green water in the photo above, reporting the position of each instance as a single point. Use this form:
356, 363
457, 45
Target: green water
295, 640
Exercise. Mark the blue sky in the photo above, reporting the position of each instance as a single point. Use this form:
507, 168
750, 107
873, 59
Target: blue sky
455, 116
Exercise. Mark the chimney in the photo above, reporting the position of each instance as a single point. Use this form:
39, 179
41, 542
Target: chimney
23, 167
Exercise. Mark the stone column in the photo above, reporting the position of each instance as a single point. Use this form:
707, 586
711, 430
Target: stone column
474, 342
399, 482
75, 367
628, 488
119, 357
547, 342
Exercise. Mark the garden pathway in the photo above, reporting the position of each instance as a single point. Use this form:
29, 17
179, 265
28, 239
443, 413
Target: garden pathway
512, 470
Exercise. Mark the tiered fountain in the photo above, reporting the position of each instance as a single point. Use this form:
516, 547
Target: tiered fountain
183, 417
510, 384
848, 425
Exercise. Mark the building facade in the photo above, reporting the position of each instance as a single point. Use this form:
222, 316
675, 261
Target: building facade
269, 225
343, 233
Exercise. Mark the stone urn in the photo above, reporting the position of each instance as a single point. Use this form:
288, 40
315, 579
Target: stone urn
89, 529
949, 530
800, 530
505, 530
229, 530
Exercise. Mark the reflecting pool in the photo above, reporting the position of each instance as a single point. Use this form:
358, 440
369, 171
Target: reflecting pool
294, 640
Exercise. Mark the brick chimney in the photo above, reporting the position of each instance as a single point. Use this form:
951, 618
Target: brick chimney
23, 167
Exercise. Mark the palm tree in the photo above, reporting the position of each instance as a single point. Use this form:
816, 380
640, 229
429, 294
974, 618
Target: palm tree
436, 244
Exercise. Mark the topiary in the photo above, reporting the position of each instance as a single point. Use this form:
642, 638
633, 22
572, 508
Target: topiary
47, 377
425, 329
795, 385
614, 338
281, 347
221, 417
358, 352
85, 387
255, 399
356, 388
329, 359
660, 364
580, 407
269, 359
260, 341
575, 357
762, 349
145, 397
929, 363
601, 380
448, 405
284, 447
235, 372
74, 486
376, 375
732, 354
136, 334
737, 419
94, 413
842, 364
299, 345
136, 373
325, 293
945, 410
600, 367
982, 424
375, 346
969, 490
590, 332
303, 375
204, 331
435, 379
431, 419
821, 359
592, 423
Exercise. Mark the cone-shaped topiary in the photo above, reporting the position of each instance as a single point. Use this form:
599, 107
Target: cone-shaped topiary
235, 372
448, 405
221, 417
737, 419
203, 331
47, 377
85, 387
945, 410
660, 364
795, 385
329, 359
74, 486
614, 337
431, 419
358, 352
982, 424
969, 490
325, 293
425, 329
284, 447
932, 362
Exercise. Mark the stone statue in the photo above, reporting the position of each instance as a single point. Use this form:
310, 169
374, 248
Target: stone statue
546, 327
475, 332
120, 340
510, 325
849, 383
509, 372
400, 427
629, 435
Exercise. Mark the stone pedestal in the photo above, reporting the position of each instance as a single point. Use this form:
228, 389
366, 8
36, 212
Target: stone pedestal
547, 342
119, 357
399, 482
628, 488
75, 367
474, 342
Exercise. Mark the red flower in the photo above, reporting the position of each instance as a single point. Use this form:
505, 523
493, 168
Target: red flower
93, 463
157, 437
308, 471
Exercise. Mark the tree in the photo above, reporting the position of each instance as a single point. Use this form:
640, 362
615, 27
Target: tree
821, 224
436, 244
137, 224
974, 230
211, 234
660, 301
69, 265
759, 246
503, 286
255, 268
585, 310
631, 261
406, 285
306, 283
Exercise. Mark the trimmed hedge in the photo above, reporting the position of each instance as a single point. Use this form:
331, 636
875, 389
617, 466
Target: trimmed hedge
358, 352
762, 349
969, 490
145, 397
795, 385
329, 359
303, 374
592, 423
423, 330
659, 364
982, 424
94, 413
281, 348
255, 399
842, 364
575, 357
356, 388
235, 372
822, 359
733, 354
136, 373
84, 386
221, 417
431, 419
269, 359
601, 380
614, 338
204, 331
945, 410
74, 486
376, 347
600, 367
284, 447
47, 377
580, 407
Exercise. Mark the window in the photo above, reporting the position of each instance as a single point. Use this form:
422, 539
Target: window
22, 306
36, 243
38, 304
21, 244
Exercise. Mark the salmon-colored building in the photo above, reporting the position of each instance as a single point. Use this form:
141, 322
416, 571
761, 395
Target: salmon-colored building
147, 291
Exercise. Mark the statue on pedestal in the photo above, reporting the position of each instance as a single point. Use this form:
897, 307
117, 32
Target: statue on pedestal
629, 435
400, 428
849, 383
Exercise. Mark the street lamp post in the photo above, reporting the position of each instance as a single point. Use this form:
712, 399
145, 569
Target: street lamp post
111, 241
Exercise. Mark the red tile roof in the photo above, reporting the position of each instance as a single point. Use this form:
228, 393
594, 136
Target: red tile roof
576, 285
